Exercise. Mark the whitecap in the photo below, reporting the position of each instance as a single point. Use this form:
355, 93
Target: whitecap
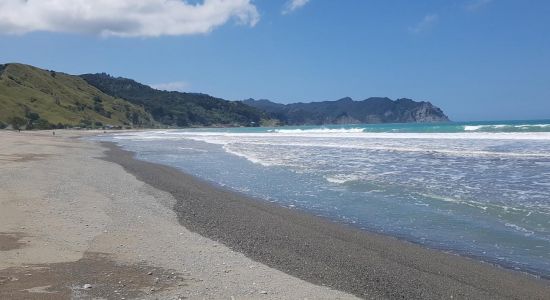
342, 178
526, 232
319, 130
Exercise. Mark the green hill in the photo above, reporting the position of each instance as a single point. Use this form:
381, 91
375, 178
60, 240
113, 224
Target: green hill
33, 98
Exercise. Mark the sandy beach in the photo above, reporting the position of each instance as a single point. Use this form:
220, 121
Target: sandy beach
69, 219
82, 219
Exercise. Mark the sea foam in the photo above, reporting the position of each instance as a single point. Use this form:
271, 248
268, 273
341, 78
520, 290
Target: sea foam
457, 187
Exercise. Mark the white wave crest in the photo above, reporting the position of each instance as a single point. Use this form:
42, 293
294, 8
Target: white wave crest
223, 137
497, 127
526, 232
342, 178
471, 128
249, 157
319, 130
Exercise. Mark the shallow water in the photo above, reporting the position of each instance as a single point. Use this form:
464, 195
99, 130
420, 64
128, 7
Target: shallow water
477, 189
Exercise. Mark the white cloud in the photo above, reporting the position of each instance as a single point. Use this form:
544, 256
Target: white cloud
179, 86
477, 5
125, 18
292, 5
425, 24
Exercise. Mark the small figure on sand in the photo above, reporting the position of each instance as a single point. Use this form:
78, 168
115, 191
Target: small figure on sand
53, 133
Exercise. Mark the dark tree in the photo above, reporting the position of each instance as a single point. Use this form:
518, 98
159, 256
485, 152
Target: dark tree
17, 122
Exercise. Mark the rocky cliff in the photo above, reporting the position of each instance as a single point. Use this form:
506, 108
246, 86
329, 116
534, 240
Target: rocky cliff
348, 111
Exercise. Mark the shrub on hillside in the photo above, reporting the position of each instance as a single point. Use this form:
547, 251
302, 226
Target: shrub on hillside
40, 124
85, 123
17, 122
32, 116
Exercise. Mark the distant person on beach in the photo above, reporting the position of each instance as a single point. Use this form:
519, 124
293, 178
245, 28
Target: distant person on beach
53, 133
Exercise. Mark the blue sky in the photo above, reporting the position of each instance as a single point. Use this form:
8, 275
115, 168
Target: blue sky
476, 59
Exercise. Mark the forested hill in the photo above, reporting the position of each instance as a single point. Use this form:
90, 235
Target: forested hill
177, 108
348, 111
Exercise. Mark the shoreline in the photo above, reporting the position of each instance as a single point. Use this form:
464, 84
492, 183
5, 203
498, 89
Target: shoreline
74, 226
322, 252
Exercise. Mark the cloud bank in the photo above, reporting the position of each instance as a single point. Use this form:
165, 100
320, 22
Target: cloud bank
293, 5
124, 18
477, 5
179, 86
425, 24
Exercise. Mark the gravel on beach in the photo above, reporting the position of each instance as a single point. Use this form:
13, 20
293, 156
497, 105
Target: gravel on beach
365, 264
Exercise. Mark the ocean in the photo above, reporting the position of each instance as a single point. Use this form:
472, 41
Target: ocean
478, 189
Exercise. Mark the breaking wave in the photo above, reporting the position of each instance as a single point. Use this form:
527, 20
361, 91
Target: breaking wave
319, 130
508, 128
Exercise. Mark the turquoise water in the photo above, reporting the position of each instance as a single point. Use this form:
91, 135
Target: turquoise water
480, 189
450, 127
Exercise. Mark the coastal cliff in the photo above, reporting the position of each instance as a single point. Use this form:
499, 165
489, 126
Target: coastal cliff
348, 111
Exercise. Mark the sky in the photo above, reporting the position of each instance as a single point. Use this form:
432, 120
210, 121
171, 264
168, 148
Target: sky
476, 59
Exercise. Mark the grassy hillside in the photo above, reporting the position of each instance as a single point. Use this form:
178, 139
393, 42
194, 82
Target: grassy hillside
35, 98
176, 108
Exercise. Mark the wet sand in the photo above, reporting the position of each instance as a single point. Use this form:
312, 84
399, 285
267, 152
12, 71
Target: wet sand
365, 264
